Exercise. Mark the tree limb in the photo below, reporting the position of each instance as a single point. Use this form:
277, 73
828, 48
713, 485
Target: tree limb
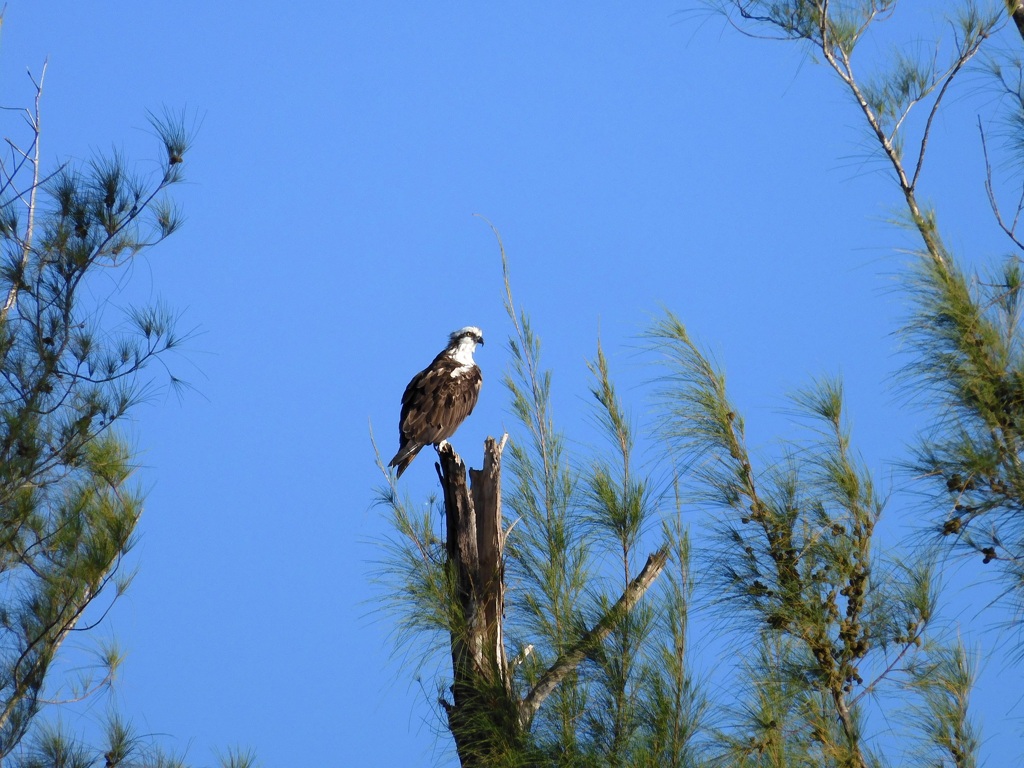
572, 657
26, 248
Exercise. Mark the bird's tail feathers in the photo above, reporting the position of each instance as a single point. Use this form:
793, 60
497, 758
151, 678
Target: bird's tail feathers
404, 458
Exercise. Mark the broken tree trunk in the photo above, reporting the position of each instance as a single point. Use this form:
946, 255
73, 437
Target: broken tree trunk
483, 713
486, 717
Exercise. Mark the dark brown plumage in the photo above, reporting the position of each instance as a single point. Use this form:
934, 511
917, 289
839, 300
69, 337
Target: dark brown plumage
439, 398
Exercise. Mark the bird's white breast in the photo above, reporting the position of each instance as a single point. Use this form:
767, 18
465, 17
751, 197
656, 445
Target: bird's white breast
462, 370
463, 355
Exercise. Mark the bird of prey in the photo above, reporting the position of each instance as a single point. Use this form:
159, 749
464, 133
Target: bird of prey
440, 397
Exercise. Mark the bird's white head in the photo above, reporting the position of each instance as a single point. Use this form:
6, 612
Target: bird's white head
462, 343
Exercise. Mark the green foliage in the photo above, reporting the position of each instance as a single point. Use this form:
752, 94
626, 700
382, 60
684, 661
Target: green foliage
942, 684
631, 700
546, 554
239, 758
70, 370
796, 557
794, 564
835, 25
65, 379
969, 356
419, 591
836, 626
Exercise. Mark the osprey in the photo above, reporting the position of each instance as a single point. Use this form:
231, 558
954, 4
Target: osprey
440, 397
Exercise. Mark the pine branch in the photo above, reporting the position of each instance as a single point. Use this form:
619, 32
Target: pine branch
574, 655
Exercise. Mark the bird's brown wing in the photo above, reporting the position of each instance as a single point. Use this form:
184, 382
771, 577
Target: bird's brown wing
435, 403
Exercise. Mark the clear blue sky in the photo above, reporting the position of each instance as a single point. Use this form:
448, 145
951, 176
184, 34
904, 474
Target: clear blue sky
634, 156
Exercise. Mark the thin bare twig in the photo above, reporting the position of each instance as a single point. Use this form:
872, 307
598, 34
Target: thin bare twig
26, 246
1009, 230
962, 59
911, 643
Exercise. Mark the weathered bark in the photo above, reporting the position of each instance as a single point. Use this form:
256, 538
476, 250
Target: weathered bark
474, 545
486, 716
482, 713
490, 539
